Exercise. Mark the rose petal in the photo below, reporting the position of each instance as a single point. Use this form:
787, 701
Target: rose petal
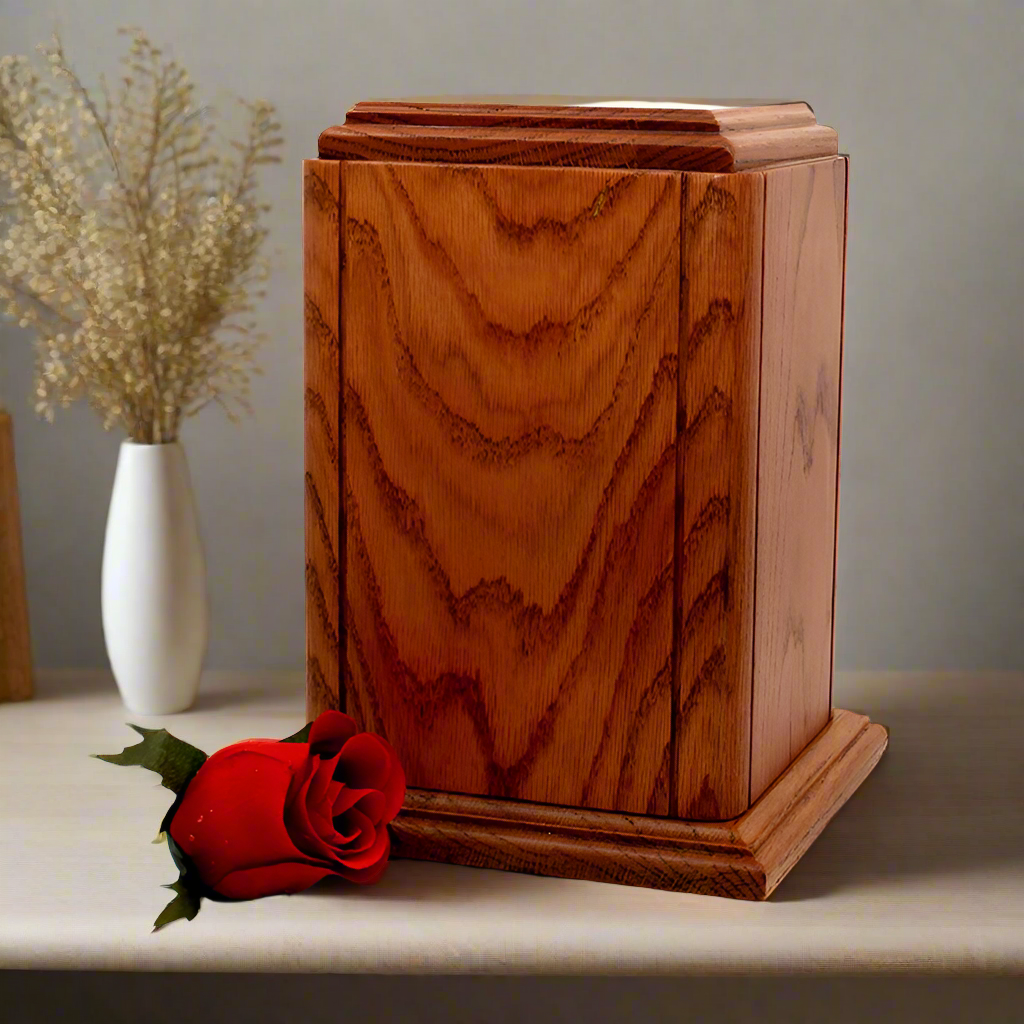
322, 782
369, 856
323, 841
292, 754
318, 805
368, 875
303, 831
314, 832
365, 762
348, 798
270, 880
323, 825
345, 832
319, 838
330, 732
370, 762
372, 804
321, 815
356, 830
232, 813
332, 792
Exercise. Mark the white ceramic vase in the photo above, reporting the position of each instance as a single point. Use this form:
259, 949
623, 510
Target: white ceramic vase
155, 610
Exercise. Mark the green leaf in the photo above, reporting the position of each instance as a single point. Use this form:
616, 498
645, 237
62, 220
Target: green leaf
302, 736
184, 905
175, 760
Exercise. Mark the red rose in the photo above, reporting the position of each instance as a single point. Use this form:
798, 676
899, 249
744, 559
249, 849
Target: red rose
266, 816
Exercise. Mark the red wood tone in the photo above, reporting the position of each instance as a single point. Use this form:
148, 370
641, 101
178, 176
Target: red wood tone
321, 214
526, 147
16, 681
577, 147
718, 388
584, 112
805, 216
509, 375
745, 858
572, 469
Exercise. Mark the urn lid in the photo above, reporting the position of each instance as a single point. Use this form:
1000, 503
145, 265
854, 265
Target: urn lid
581, 131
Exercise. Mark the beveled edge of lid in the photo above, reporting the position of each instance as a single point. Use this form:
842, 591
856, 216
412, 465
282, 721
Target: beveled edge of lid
583, 112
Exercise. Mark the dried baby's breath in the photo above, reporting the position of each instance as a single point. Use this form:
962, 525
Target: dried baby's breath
131, 239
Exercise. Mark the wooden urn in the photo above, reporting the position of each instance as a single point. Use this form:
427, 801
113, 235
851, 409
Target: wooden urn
572, 390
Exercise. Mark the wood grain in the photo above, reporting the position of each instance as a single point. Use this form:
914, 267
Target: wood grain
325, 541
578, 112
745, 858
805, 211
576, 147
768, 147
510, 383
15, 646
718, 389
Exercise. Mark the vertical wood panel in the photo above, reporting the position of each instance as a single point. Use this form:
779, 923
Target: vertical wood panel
510, 369
321, 220
805, 207
15, 648
719, 353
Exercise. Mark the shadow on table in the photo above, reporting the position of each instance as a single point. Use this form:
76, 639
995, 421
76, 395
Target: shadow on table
410, 881
248, 697
947, 796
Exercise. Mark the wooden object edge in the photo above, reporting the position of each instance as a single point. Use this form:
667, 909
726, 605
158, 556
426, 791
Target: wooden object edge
324, 537
15, 646
577, 147
839, 417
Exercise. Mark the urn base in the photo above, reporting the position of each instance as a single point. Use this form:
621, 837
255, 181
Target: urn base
744, 858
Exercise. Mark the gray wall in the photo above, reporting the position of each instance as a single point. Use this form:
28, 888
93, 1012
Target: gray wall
927, 100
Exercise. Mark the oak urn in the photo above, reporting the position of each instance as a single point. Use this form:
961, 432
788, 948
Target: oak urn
572, 405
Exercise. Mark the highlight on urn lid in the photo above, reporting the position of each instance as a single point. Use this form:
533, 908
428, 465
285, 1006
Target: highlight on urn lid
536, 100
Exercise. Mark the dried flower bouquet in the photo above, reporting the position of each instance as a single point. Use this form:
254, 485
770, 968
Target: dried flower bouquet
132, 240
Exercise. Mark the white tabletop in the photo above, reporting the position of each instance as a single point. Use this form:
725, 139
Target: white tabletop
923, 869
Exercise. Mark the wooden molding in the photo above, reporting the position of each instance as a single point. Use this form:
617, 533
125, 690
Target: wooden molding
15, 646
576, 147
745, 858
728, 135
